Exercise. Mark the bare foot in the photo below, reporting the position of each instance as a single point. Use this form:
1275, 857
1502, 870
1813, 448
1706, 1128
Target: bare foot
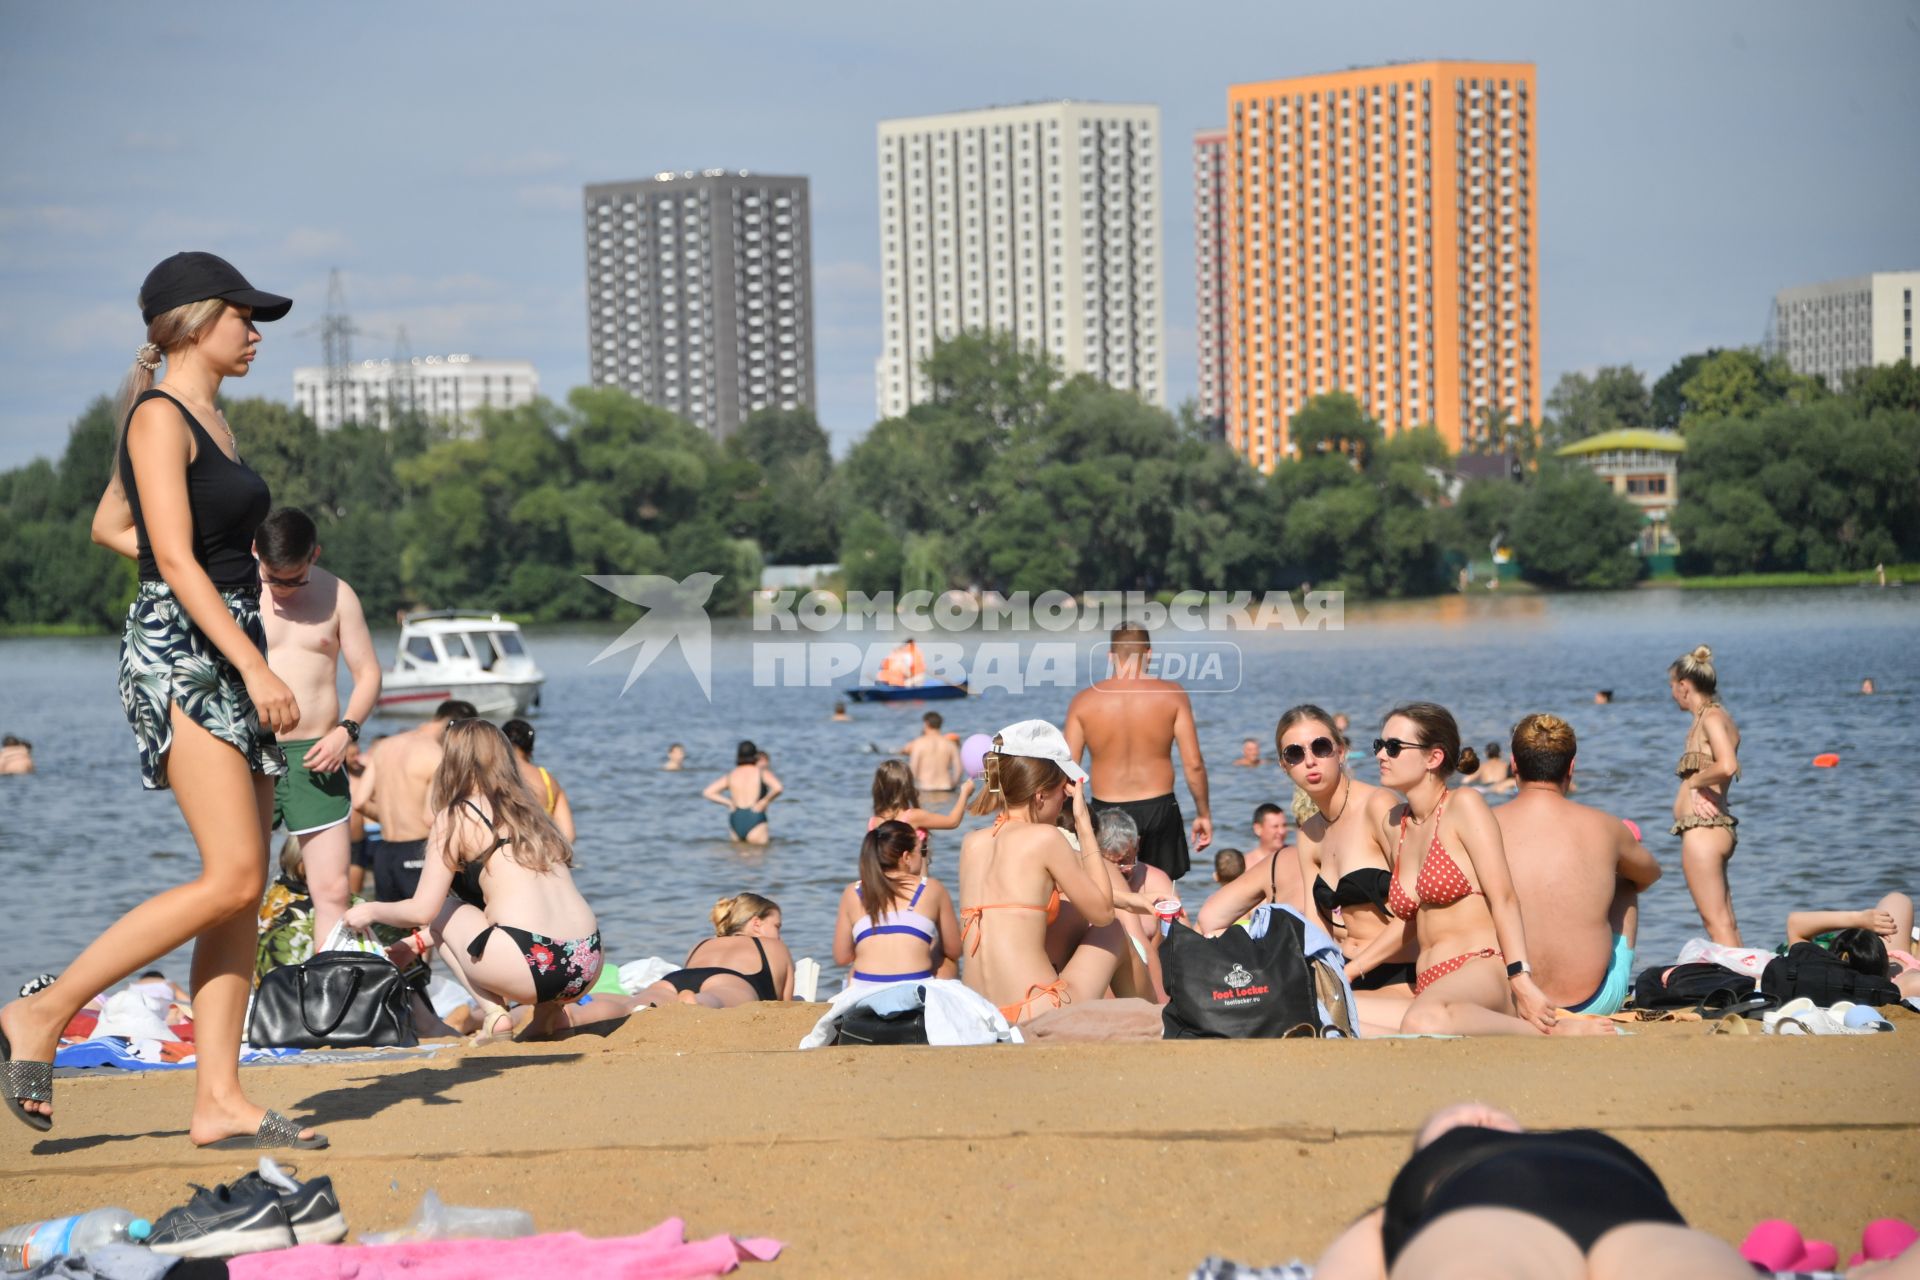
241, 1118
32, 1037
688, 997
1581, 1024
548, 1020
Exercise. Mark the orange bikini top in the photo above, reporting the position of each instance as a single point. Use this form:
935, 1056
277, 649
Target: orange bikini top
970, 916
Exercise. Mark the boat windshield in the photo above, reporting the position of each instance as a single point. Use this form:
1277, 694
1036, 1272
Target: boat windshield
509, 644
420, 649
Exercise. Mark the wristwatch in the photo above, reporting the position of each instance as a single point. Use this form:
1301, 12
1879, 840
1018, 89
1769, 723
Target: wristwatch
1519, 967
353, 729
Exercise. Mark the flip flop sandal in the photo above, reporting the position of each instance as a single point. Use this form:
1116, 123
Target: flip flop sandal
1745, 1007
25, 1082
275, 1131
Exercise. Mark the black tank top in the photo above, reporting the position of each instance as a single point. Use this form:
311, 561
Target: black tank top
226, 499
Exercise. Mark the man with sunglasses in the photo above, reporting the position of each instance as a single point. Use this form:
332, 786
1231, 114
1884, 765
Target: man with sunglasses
1131, 721
313, 620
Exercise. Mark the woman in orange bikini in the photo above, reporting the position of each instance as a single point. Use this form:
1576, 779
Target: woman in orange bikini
1450, 886
1708, 765
1013, 873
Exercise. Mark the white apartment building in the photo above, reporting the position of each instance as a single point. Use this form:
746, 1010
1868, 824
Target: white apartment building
700, 293
1042, 221
441, 387
1835, 328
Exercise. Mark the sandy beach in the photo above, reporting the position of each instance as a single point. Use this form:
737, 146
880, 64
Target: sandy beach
1092, 1159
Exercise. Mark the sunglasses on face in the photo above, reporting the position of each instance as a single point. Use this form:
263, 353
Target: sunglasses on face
288, 582
1394, 746
1322, 749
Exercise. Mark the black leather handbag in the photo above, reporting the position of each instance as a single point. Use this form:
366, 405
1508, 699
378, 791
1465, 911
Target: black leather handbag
337, 1000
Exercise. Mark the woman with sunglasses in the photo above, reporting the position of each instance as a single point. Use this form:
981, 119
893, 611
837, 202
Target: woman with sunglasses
1343, 868
1450, 890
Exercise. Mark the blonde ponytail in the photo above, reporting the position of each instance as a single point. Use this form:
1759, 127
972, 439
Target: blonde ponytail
169, 332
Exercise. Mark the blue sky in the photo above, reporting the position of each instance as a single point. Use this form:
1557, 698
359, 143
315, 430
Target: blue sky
1693, 159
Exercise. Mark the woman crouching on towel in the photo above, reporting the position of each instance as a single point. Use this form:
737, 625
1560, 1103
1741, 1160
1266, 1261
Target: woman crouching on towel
1012, 876
743, 962
497, 894
1450, 889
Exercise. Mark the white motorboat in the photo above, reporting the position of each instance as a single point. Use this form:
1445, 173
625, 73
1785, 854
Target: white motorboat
457, 653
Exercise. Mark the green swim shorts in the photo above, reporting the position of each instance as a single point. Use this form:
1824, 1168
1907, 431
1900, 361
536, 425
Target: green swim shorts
1614, 988
305, 802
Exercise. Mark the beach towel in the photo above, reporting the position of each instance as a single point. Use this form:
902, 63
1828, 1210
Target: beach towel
637, 975
663, 1253
144, 1055
956, 1014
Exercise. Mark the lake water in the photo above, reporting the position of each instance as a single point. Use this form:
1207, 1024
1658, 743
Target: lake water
80, 841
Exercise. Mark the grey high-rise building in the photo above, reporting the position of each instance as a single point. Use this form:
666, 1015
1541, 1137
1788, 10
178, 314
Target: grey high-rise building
700, 293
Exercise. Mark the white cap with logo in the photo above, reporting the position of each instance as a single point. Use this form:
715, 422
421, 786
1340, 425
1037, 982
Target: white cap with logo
1041, 741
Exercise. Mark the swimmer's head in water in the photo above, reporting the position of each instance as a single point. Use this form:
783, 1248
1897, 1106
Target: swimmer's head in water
1229, 865
734, 915
1696, 669
885, 848
745, 753
1429, 741
1118, 836
478, 764
1543, 747
1015, 782
893, 788
1861, 950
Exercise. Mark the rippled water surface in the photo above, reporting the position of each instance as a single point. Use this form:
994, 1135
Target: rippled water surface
80, 841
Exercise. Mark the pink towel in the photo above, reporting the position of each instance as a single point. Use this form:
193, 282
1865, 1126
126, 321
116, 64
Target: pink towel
663, 1253
1777, 1245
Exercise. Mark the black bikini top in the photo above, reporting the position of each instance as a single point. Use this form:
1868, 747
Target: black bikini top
466, 879
1368, 884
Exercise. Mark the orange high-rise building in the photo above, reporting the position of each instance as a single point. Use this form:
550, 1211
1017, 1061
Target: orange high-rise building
1383, 239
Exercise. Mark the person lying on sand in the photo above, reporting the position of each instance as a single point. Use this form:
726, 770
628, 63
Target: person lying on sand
743, 962
1874, 941
1480, 1196
496, 893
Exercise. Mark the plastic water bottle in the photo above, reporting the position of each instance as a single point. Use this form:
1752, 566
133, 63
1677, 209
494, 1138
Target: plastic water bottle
26, 1246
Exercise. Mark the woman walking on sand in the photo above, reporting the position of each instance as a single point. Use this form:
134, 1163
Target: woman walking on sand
198, 694
1709, 762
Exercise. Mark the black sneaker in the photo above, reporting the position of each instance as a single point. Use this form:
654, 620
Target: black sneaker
312, 1209
217, 1223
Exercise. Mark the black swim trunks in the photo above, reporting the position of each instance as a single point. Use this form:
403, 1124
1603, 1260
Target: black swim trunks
1580, 1180
1163, 832
396, 869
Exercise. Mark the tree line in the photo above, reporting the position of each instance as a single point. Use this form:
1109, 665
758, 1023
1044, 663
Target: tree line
1015, 477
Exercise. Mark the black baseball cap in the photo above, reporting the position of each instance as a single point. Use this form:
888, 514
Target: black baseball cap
195, 277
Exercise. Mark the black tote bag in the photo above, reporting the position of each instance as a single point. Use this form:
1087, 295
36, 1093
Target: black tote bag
338, 999
1238, 987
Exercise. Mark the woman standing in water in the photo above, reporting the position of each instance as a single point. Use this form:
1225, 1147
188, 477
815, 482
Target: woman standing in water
198, 694
1708, 765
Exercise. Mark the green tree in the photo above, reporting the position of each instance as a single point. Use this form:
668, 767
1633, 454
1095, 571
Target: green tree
1572, 531
1613, 398
1886, 386
1739, 384
1669, 400
870, 555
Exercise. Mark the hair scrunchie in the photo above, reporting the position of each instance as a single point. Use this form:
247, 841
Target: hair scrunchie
141, 358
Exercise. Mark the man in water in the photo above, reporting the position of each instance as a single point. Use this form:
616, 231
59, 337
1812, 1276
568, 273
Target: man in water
16, 755
313, 622
1270, 841
403, 767
1131, 722
1249, 757
1228, 865
1578, 873
676, 758
933, 757
840, 715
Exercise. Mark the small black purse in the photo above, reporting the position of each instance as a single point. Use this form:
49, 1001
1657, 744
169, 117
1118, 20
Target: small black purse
338, 999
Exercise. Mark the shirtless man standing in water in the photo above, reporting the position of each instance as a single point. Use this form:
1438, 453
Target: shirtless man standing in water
934, 758
313, 620
403, 767
1131, 722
